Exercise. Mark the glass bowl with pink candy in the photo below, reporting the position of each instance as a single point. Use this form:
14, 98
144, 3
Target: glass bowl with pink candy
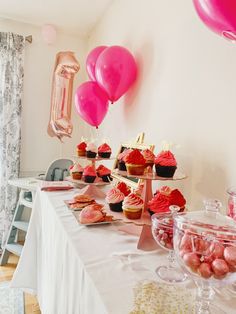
162, 231
205, 247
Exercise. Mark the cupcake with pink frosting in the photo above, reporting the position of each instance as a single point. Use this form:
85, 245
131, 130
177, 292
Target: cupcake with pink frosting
120, 158
149, 158
76, 171
165, 164
104, 151
89, 174
115, 199
164, 198
104, 173
91, 150
132, 206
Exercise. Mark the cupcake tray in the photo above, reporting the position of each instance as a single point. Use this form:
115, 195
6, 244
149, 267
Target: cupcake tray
81, 182
151, 176
144, 220
94, 159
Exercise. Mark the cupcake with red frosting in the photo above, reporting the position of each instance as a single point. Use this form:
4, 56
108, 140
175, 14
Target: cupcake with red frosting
120, 158
135, 163
132, 206
177, 198
89, 174
149, 157
164, 198
76, 171
115, 199
81, 149
104, 173
123, 188
165, 164
91, 150
104, 151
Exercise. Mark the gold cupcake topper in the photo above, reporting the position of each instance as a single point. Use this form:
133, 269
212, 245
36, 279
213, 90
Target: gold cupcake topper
166, 145
105, 140
169, 145
84, 139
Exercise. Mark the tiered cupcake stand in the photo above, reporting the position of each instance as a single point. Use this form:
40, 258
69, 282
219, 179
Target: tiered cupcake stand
146, 241
91, 188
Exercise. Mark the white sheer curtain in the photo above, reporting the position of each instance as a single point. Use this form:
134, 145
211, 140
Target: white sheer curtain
11, 85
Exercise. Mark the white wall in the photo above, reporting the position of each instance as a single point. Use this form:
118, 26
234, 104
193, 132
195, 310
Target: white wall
185, 91
38, 149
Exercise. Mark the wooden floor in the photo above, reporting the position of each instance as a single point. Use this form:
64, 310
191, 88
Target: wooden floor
6, 273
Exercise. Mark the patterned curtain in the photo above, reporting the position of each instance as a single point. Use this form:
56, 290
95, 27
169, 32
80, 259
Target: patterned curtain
11, 85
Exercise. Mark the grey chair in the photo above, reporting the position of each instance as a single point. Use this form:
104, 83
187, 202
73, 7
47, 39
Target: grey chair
58, 170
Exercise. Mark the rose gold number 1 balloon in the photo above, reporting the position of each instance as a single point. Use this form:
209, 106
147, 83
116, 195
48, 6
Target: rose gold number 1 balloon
66, 66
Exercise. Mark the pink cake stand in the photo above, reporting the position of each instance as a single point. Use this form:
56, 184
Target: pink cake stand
142, 226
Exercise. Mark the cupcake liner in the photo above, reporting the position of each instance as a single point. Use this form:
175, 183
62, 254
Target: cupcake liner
90, 154
76, 175
81, 153
117, 207
165, 171
106, 178
104, 154
136, 170
89, 179
121, 166
132, 215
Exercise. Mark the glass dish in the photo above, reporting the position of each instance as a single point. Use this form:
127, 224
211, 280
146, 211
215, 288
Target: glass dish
162, 231
205, 246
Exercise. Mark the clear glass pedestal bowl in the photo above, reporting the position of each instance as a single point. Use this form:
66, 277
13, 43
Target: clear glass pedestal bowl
205, 247
162, 231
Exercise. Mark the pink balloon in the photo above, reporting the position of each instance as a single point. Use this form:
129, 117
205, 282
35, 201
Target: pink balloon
116, 71
219, 16
91, 61
91, 103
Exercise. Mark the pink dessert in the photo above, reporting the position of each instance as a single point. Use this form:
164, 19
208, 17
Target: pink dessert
135, 163
89, 174
115, 198
165, 164
81, 149
92, 214
76, 171
132, 206
165, 158
123, 188
164, 198
149, 157
104, 151
104, 173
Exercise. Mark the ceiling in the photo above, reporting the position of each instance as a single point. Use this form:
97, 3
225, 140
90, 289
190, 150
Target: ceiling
74, 16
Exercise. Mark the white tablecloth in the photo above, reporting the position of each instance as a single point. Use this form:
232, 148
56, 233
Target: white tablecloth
75, 269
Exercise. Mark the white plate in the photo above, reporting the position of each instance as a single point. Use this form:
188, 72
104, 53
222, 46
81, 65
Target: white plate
76, 214
100, 223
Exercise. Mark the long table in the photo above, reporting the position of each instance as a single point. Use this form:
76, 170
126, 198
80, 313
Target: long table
76, 269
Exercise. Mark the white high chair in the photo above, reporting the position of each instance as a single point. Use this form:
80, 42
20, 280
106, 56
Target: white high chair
57, 171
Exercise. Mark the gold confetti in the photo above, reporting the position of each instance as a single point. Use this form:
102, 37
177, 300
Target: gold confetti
160, 298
